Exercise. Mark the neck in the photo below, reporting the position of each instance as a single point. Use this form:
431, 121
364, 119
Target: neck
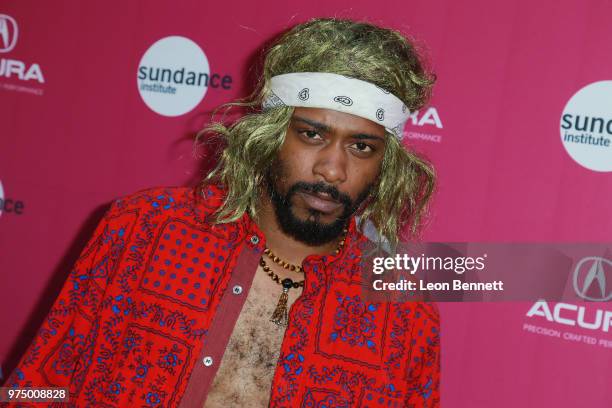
282, 244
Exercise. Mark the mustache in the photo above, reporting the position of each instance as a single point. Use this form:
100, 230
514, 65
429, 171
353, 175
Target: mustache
320, 187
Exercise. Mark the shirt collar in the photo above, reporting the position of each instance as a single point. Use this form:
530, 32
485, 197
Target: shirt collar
254, 238
249, 232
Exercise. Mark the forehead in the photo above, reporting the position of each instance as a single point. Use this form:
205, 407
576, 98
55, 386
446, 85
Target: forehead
338, 122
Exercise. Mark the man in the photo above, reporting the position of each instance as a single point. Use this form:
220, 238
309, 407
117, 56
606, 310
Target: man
248, 290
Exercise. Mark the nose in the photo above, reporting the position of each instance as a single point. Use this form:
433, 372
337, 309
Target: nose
331, 164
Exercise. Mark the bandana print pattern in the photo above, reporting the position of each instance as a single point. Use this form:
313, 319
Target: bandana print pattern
129, 324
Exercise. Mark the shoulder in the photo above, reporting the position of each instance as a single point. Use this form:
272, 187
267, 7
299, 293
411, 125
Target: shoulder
163, 200
148, 211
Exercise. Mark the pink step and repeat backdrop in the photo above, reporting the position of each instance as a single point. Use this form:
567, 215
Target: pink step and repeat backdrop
519, 128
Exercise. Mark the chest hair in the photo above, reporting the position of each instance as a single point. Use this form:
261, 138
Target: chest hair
245, 375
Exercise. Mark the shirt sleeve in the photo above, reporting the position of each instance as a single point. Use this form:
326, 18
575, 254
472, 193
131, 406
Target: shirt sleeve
60, 352
424, 373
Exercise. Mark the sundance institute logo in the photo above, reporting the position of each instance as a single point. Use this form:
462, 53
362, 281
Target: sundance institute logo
586, 126
173, 76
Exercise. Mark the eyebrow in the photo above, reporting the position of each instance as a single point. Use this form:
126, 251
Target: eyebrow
367, 136
317, 125
321, 127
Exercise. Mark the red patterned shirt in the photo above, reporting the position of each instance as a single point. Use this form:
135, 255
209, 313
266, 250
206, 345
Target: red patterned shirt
147, 311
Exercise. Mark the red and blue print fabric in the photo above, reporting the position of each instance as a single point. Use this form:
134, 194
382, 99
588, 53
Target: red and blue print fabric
131, 324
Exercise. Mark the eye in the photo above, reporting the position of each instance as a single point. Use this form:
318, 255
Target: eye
363, 147
310, 134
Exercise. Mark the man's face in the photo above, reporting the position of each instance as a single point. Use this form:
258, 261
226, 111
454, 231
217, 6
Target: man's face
325, 168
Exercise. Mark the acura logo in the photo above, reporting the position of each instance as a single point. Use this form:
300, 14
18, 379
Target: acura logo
591, 271
8, 33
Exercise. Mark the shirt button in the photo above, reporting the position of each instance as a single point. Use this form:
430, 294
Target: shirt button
254, 240
208, 361
237, 289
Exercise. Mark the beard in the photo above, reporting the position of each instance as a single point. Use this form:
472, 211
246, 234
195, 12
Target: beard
312, 230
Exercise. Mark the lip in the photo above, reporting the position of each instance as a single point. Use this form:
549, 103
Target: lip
320, 203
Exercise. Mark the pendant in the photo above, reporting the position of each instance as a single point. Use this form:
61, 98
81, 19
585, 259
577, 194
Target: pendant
281, 315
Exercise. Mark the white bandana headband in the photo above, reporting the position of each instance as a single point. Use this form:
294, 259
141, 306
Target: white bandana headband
340, 93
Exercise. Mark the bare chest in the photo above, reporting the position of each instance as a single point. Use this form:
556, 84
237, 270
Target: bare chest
245, 375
